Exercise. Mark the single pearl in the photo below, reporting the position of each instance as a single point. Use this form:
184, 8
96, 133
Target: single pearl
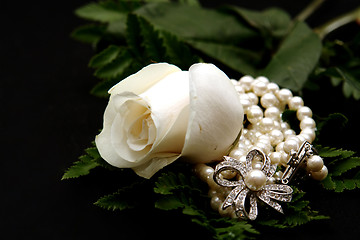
204, 172
315, 163
262, 79
276, 137
264, 139
284, 158
288, 133
291, 144
278, 175
253, 98
215, 202
284, 126
227, 212
307, 123
255, 114
275, 157
295, 103
237, 153
228, 174
259, 87
268, 100
303, 112
243, 159
284, 95
246, 82
320, 175
272, 87
276, 124
266, 124
280, 147
273, 113
257, 165
255, 180
266, 148
213, 192
239, 89
246, 104
234, 82
308, 134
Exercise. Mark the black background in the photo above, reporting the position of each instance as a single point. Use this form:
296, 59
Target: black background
48, 117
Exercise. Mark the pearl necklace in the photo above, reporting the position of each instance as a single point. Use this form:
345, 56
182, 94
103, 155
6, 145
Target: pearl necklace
263, 103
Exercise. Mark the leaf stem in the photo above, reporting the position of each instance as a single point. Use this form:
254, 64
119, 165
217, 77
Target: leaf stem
310, 9
337, 22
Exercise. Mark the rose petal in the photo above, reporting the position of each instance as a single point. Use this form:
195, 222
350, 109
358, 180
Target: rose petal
216, 115
144, 79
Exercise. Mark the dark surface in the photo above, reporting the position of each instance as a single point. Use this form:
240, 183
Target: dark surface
49, 117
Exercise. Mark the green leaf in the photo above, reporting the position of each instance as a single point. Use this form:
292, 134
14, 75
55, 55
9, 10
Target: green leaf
241, 60
272, 21
346, 165
192, 22
327, 152
99, 12
88, 33
169, 203
104, 57
152, 42
295, 59
116, 67
328, 183
177, 51
115, 201
84, 165
133, 35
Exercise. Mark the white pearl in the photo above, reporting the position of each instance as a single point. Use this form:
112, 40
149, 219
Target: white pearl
278, 175
264, 139
237, 153
307, 123
253, 98
276, 137
284, 95
228, 174
303, 112
246, 104
243, 159
266, 148
291, 144
280, 147
308, 134
268, 100
262, 79
213, 192
204, 172
266, 124
259, 87
273, 87
227, 212
255, 114
284, 158
314, 163
295, 103
289, 133
320, 175
215, 202
284, 126
273, 113
239, 89
255, 180
234, 82
246, 82
275, 157
257, 165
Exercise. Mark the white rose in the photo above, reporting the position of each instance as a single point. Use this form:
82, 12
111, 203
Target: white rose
161, 113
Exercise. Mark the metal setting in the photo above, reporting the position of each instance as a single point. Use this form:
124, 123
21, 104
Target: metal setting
269, 193
297, 160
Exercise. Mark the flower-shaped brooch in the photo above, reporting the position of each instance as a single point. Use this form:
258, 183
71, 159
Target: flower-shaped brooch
253, 180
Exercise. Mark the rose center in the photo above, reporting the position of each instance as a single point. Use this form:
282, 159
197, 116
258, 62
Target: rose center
255, 180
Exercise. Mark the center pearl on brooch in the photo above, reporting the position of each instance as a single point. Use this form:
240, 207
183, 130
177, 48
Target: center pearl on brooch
255, 180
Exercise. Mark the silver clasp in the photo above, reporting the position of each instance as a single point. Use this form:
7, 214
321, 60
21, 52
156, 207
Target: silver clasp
297, 159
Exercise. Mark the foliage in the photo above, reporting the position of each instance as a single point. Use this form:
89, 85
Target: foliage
128, 35
344, 171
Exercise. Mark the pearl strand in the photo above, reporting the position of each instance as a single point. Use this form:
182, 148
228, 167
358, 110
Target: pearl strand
263, 104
